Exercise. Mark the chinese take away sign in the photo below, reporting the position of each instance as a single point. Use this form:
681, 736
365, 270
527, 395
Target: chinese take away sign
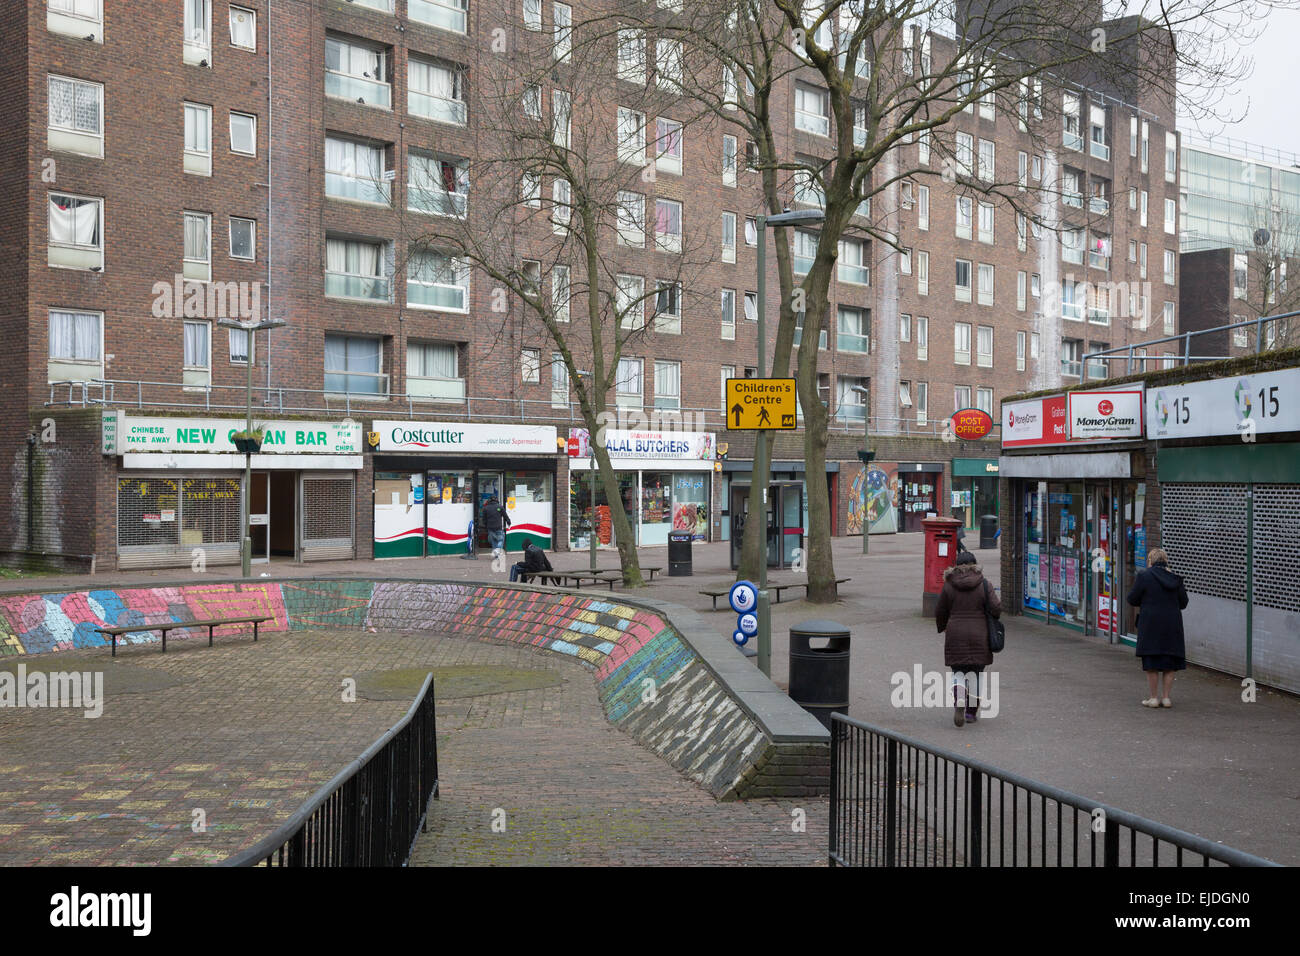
761, 403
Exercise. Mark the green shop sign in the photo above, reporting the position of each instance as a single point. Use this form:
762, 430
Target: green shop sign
213, 435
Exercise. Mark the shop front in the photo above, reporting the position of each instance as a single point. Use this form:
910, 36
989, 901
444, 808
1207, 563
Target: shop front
432, 479
974, 489
665, 483
180, 490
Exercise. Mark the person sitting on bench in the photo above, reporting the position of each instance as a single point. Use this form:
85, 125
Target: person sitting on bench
534, 560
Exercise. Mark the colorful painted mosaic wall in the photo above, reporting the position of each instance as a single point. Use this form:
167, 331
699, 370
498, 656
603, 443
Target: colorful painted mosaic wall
652, 684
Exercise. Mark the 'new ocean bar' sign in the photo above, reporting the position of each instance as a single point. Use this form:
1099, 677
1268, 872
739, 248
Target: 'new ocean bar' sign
213, 435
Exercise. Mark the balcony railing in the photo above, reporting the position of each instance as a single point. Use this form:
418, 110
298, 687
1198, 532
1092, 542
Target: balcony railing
821, 337
851, 342
803, 264
342, 285
435, 295
1099, 316
1097, 370
1072, 199
356, 383
1101, 151
445, 16
1072, 141
339, 186
348, 87
1071, 368
1099, 205
861, 275
437, 202
1072, 310
436, 389
436, 108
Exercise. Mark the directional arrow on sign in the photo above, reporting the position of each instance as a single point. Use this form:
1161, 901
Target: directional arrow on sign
736, 410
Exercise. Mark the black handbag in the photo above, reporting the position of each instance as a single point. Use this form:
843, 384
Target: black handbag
997, 632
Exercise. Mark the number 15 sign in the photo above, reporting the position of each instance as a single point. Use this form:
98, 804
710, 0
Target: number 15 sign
1255, 403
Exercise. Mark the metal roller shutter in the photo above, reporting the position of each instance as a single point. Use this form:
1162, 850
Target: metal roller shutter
328, 516
1203, 527
205, 513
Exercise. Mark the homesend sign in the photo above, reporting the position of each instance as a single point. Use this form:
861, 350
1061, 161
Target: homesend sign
1243, 405
1074, 418
1039, 421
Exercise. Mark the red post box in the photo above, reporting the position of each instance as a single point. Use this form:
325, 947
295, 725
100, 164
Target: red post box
940, 555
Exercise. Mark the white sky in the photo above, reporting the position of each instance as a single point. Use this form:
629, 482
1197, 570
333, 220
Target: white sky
1267, 99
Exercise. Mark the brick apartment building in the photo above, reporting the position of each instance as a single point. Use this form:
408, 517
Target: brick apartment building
268, 155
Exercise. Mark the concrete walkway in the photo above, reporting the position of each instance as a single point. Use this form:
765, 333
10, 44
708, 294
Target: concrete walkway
1069, 707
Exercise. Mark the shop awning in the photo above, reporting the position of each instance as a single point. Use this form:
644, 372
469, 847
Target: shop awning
1107, 464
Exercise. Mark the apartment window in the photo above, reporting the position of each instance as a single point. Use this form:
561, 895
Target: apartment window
197, 369
963, 280
243, 238
986, 222
986, 160
751, 306
629, 301
1097, 134
960, 397
922, 402
1035, 285
561, 117
904, 327
198, 139
384, 6
1169, 266
811, 110
1071, 187
728, 160
923, 147
631, 56
1132, 250
1021, 290
923, 207
73, 17
1171, 216
1171, 156
530, 272
1071, 137
964, 214
668, 225
533, 15
1072, 357
985, 284
1022, 232
728, 237
965, 153
76, 225
1033, 345
358, 72
751, 155
923, 273
530, 190
1038, 168
432, 372
728, 371
631, 136
984, 400
243, 28
807, 191
627, 386
1169, 318
76, 346
1132, 197
1142, 260
861, 126
668, 384
560, 293
1072, 298
354, 365
730, 91
240, 342
1020, 351
357, 270
1133, 135
243, 133
355, 171
532, 101
905, 261
668, 307
668, 146
961, 343
450, 15
439, 186
561, 205
1072, 246
1099, 249
198, 32
922, 338
562, 21
668, 63
751, 231
1146, 143
853, 264
984, 346
198, 246
630, 218
530, 366
729, 315
436, 91
1142, 208
1239, 273
852, 330
1022, 170
76, 116
805, 251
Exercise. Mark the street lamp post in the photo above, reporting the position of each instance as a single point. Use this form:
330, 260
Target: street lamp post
763, 609
591, 477
866, 457
246, 541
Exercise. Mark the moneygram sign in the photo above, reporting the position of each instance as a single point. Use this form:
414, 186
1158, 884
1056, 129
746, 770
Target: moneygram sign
1038, 421
1101, 416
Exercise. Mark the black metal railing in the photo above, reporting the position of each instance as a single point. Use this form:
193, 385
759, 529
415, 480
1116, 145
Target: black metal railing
898, 802
372, 811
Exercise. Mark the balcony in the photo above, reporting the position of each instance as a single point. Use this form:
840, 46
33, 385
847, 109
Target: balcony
1072, 310
859, 275
1100, 151
1099, 205
1099, 316
851, 342
339, 186
444, 16
1072, 141
435, 295
821, 338
1096, 370
436, 389
1074, 369
803, 264
1099, 260
341, 285
437, 203
356, 383
357, 88
1075, 199
437, 108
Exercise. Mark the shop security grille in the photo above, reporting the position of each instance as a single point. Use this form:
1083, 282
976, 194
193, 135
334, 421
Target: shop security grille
1277, 546
1203, 527
328, 509
161, 521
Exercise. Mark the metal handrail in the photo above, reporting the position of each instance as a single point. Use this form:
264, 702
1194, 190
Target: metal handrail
910, 817
1185, 338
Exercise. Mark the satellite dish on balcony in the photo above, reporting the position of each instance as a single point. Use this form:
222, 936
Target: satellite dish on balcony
1262, 237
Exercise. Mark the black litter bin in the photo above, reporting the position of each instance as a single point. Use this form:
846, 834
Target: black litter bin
679, 554
988, 531
819, 676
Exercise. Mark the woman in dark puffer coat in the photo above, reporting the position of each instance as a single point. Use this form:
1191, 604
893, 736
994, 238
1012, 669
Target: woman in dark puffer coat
1160, 596
960, 616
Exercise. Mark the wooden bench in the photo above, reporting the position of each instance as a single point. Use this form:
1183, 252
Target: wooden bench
559, 578
771, 586
115, 632
619, 571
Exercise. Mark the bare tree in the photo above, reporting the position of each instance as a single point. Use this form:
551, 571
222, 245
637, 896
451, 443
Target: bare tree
560, 209
1272, 283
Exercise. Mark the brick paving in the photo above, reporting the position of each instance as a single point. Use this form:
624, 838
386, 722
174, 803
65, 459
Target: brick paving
245, 732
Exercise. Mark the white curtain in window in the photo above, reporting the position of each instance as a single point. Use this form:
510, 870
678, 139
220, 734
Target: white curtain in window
74, 105
336, 352
355, 60
238, 345
196, 344
668, 379
196, 22
431, 361
79, 8
74, 336
198, 133
74, 220
629, 376
353, 159
196, 238
243, 27
436, 80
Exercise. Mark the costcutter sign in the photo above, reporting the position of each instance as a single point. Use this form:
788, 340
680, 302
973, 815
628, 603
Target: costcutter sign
212, 435
441, 437
1100, 416
1263, 403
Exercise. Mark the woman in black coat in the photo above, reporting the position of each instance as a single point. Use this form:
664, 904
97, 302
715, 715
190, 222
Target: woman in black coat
1159, 596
